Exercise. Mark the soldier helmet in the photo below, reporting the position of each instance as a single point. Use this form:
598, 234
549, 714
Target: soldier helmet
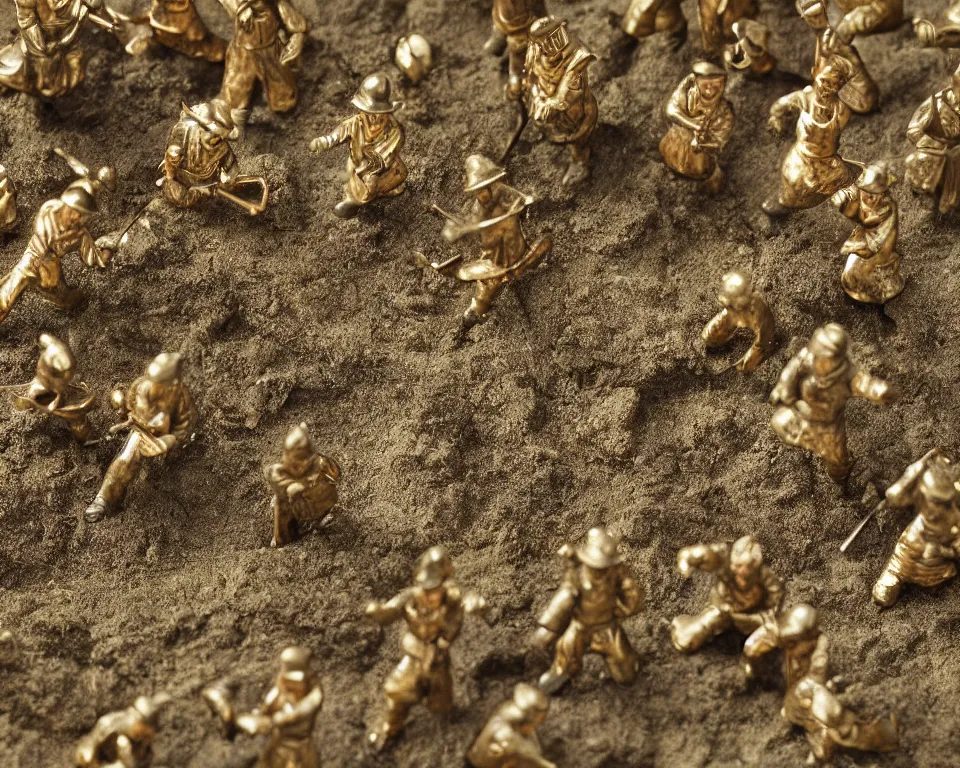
81, 196
373, 96
433, 568
480, 171
876, 178
937, 485
600, 550
214, 116
107, 176
829, 341
298, 439
550, 33
530, 700
708, 70
746, 551
414, 57
56, 364
801, 622
150, 706
295, 663
164, 367
735, 286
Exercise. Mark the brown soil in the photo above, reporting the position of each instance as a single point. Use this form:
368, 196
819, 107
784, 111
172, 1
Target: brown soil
583, 400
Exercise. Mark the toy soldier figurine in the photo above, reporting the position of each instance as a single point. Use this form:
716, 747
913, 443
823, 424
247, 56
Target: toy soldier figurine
199, 162
868, 17
745, 595
812, 170
812, 394
742, 308
267, 42
647, 17
700, 124
810, 701
928, 549
122, 739
433, 609
872, 272
8, 202
512, 20
159, 414
288, 713
717, 19
375, 168
750, 52
557, 95
935, 132
509, 738
54, 391
585, 614
494, 216
304, 485
177, 25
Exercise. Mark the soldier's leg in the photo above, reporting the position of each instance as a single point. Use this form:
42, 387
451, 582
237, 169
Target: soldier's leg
81, 430
517, 45
621, 658
279, 82
63, 295
484, 292
119, 474
836, 457
579, 168
14, 284
239, 80
402, 690
440, 688
568, 659
285, 529
887, 589
496, 44
689, 633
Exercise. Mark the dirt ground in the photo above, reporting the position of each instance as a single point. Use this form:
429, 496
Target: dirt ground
584, 400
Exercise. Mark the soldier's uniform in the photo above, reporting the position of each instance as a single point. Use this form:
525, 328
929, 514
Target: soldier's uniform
742, 308
935, 132
177, 25
199, 157
8, 202
513, 19
161, 415
509, 737
597, 593
122, 739
745, 594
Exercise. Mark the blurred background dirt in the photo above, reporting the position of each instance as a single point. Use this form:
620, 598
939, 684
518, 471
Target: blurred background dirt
583, 400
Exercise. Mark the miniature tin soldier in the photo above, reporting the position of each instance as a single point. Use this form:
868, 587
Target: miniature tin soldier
935, 132
812, 394
267, 42
647, 17
743, 307
717, 18
509, 737
868, 17
701, 120
160, 415
375, 168
557, 95
288, 713
812, 170
585, 614
927, 551
122, 739
494, 216
751, 51
433, 609
872, 272
745, 594
512, 20
54, 390
8, 202
177, 25
304, 485
810, 701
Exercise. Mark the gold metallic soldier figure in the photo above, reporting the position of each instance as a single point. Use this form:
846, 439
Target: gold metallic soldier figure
810, 701
750, 52
701, 120
160, 415
811, 397
267, 42
177, 25
8, 202
717, 20
557, 95
585, 614
647, 17
935, 132
122, 739
746, 592
944, 36
512, 20
433, 609
509, 738
54, 390
868, 17
743, 307
304, 485
927, 551
375, 168
288, 713
872, 272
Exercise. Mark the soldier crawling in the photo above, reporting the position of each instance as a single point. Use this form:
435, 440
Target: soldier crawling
584, 616
122, 739
159, 414
433, 609
509, 737
927, 551
746, 592
742, 308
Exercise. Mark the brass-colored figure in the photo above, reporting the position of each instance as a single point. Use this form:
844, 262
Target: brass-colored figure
585, 614
812, 170
872, 272
8, 202
413, 57
647, 17
927, 551
177, 25
701, 120
267, 42
375, 168
160, 415
512, 20
743, 307
745, 595
935, 132
54, 390
288, 713
810, 701
557, 95
433, 609
812, 394
304, 485
717, 20
509, 737
122, 739
868, 17
945, 36
750, 52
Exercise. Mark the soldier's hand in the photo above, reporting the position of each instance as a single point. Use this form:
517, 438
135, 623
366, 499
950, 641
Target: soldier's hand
294, 490
320, 144
254, 724
777, 123
926, 32
451, 232
683, 564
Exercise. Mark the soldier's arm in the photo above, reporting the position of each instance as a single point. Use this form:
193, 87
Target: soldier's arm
872, 388
630, 599
302, 710
571, 79
296, 26
787, 389
185, 417
389, 611
96, 252
676, 109
269, 704
228, 169
901, 493
920, 120
29, 24
786, 107
337, 136
720, 128
720, 329
773, 586
705, 557
820, 660
847, 200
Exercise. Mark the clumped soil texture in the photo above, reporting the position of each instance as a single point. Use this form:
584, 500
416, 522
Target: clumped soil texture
584, 400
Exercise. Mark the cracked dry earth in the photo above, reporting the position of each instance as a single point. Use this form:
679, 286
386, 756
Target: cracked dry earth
583, 400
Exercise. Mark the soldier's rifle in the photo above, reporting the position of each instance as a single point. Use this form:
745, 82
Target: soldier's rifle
135, 425
523, 117
465, 228
224, 191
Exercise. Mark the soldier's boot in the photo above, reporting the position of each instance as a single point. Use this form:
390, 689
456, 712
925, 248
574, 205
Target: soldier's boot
346, 208
552, 681
496, 44
887, 589
775, 209
390, 724
97, 510
838, 470
713, 183
579, 168
880, 735
81, 430
689, 633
